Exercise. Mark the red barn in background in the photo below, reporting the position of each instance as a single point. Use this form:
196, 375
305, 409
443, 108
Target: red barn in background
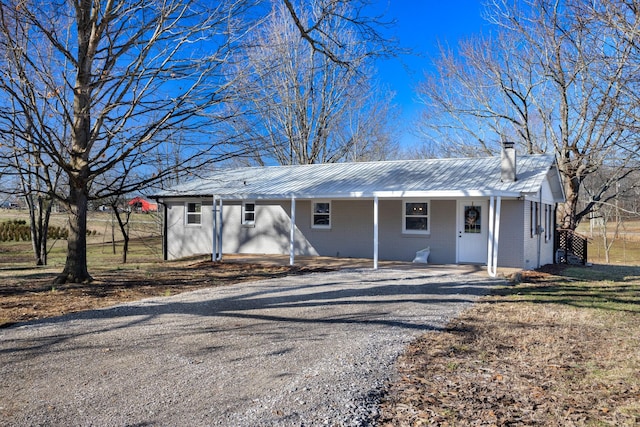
138, 204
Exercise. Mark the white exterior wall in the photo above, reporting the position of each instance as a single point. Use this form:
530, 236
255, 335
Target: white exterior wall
530, 243
535, 257
547, 256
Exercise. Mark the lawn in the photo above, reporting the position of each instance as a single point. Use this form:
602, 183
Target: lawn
554, 350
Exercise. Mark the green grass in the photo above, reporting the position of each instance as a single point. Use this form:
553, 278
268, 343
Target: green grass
604, 287
623, 251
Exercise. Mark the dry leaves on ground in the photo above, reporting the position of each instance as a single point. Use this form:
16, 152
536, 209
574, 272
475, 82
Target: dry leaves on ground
32, 296
509, 362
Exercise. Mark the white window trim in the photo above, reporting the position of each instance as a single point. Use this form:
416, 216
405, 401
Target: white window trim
404, 217
313, 214
187, 213
246, 223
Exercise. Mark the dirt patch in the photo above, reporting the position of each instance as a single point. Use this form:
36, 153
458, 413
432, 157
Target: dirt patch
31, 295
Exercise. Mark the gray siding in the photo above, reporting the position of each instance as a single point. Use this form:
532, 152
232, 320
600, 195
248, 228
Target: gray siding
350, 235
394, 245
269, 235
512, 228
351, 232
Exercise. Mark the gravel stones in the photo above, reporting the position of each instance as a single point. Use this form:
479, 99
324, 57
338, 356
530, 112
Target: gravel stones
296, 351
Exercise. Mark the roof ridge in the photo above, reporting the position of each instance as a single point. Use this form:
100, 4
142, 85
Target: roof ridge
377, 162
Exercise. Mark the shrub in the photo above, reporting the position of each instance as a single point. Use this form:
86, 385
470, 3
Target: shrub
18, 230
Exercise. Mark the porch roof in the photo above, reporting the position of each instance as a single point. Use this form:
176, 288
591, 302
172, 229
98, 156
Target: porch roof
468, 177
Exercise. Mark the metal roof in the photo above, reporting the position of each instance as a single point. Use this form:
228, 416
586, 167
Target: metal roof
403, 178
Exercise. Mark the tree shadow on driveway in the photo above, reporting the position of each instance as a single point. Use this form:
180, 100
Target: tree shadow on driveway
406, 300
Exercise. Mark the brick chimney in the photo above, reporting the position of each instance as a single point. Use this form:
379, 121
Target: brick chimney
508, 162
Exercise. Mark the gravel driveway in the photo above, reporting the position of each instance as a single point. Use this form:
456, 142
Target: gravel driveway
296, 351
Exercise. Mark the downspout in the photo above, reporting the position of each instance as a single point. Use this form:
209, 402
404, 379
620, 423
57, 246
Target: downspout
165, 229
292, 233
539, 228
375, 232
220, 230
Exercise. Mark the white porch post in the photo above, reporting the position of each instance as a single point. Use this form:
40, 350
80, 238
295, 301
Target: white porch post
496, 235
292, 235
375, 232
492, 268
491, 230
214, 229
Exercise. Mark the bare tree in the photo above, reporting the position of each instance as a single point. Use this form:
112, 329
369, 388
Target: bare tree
616, 208
314, 20
22, 159
300, 103
549, 78
112, 82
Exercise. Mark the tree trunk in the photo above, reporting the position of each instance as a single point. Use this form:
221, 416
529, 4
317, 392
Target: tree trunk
44, 233
35, 226
124, 229
75, 269
39, 215
125, 249
44, 213
567, 210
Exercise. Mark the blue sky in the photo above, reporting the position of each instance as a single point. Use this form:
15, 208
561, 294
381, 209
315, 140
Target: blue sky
421, 25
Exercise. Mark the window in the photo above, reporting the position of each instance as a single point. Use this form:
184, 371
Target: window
415, 218
249, 214
321, 215
473, 219
194, 213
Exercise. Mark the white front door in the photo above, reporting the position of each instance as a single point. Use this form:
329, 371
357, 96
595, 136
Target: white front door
473, 222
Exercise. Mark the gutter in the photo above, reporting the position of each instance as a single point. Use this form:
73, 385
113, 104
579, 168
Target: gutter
165, 250
354, 195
